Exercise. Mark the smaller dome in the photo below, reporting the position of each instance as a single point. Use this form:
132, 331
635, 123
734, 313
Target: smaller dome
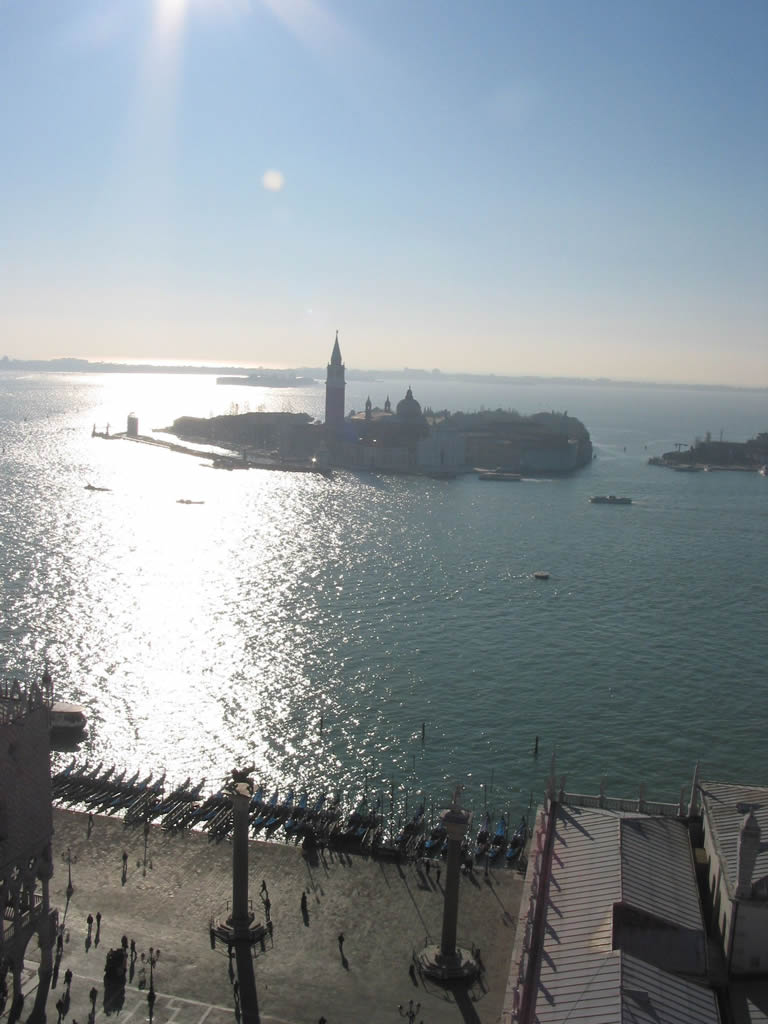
408, 408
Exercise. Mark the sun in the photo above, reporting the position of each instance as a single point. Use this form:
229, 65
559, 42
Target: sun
170, 15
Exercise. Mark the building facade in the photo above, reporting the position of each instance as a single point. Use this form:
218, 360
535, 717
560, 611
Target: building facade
734, 820
26, 828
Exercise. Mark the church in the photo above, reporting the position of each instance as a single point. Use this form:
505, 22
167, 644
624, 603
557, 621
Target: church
391, 441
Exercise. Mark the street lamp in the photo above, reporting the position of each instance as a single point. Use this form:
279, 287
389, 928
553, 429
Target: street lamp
411, 1013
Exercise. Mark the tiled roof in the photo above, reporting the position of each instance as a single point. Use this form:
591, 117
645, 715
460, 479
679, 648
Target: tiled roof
657, 874
726, 805
652, 996
600, 859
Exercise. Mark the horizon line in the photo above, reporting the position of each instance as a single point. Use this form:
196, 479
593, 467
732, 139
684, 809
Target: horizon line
202, 367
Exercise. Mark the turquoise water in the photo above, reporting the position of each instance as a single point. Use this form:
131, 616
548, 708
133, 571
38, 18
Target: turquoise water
204, 636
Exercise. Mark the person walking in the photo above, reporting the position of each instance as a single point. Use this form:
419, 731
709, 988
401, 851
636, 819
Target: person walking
133, 949
93, 995
125, 860
67, 977
98, 920
89, 919
341, 941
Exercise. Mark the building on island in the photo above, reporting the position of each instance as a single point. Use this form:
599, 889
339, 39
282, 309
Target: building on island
404, 439
26, 828
400, 440
335, 386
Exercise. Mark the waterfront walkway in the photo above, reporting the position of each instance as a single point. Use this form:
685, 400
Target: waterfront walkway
170, 890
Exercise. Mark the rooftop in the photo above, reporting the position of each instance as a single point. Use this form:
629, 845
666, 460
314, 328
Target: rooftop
630, 878
725, 806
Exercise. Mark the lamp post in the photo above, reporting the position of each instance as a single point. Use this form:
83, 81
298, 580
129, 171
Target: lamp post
411, 1013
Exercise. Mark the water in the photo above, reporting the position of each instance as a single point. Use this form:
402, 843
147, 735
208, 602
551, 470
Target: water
200, 637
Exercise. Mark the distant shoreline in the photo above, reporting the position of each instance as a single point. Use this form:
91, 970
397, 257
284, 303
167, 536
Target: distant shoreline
71, 365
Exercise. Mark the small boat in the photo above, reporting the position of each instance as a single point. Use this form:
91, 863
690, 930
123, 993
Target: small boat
688, 469
267, 812
68, 719
498, 474
483, 837
294, 820
188, 501
436, 837
609, 499
90, 487
517, 842
499, 841
541, 575
763, 471
280, 812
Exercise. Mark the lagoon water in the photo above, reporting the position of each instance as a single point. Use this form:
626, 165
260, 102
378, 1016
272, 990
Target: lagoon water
200, 637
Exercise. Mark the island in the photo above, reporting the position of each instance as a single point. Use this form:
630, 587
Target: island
438, 444
748, 456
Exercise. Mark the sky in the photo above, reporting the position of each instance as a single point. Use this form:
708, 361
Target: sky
542, 187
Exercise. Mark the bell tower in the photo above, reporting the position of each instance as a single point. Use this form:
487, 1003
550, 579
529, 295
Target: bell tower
334, 390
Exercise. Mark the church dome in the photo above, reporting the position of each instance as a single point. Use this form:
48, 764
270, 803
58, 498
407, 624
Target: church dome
408, 408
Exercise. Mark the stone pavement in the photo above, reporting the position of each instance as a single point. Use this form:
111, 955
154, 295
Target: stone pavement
175, 883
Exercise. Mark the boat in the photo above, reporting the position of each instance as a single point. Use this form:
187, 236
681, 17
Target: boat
517, 841
68, 719
763, 471
483, 837
188, 501
499, 841
609, 499
91, 487
294, 819
497, 474
541, 575
436, 837
267, 812
688, 469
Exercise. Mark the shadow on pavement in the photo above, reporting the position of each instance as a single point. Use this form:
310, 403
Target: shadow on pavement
248, 999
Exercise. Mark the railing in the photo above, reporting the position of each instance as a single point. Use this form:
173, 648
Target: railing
539, 859
18, 922
628, 805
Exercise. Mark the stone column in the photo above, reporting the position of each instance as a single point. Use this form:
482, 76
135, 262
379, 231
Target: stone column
241, 916
447, 962
456, 823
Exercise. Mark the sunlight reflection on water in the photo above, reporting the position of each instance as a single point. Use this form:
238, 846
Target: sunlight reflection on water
200, 636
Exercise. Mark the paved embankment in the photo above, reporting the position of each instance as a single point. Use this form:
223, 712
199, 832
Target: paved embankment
384, 910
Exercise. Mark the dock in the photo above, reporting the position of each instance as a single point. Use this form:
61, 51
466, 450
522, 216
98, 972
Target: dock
218, 460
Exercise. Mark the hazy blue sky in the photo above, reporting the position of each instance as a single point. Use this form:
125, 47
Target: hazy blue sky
550, 187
